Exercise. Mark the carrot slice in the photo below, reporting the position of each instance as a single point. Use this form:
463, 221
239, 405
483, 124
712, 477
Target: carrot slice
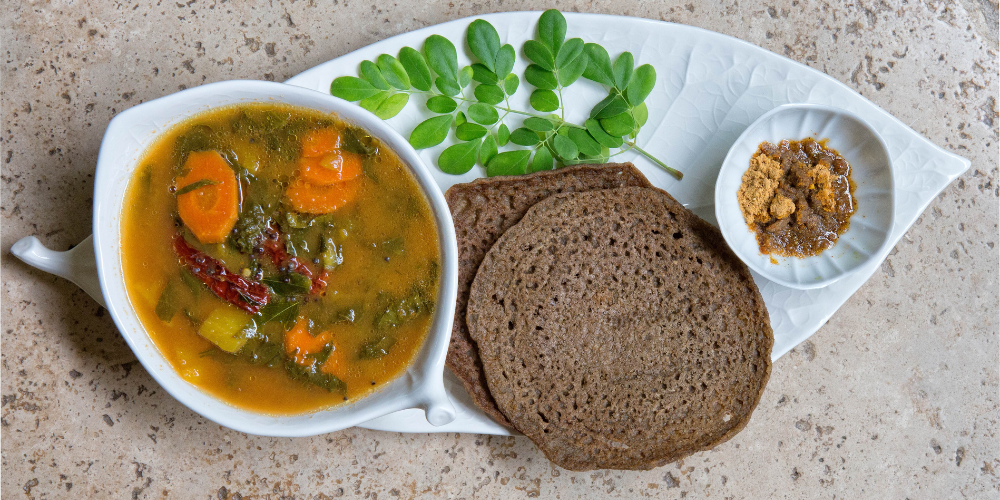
210, 211
299, 343
317, 143
309, 198
330, 168
336, 364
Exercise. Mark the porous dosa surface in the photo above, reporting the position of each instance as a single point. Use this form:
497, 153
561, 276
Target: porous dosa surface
617, 330
482, 210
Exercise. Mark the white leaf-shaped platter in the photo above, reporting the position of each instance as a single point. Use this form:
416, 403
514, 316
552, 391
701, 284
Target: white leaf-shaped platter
710, 87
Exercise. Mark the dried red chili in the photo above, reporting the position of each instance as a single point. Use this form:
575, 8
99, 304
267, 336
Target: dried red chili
227, 285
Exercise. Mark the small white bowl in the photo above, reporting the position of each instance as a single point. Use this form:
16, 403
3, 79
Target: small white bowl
128, 136
871, 170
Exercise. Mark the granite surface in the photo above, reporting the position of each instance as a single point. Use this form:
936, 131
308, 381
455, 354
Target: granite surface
896, 397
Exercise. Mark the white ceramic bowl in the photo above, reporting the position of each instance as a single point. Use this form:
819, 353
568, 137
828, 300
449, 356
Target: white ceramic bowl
871, 170
127, 137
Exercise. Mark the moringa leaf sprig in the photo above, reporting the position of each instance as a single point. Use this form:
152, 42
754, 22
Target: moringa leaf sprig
474, 101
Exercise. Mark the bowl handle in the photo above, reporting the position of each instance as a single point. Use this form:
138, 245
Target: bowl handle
437, 406
77, 264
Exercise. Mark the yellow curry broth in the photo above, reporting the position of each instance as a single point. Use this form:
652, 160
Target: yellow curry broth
388, 244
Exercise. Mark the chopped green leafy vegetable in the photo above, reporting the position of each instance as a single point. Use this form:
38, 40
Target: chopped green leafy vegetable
250, 228
196, 185
279, 311
313, 375
194, 285
289, 284
259, 350
356, 140
331, 256
396, 312
146, 178
377, 347
394, 246
198, 138
169, 302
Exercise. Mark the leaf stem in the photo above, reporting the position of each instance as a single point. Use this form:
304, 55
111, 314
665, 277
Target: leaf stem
676, 173
564, 123
562, 105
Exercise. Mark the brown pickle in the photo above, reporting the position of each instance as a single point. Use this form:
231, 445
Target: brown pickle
797, 197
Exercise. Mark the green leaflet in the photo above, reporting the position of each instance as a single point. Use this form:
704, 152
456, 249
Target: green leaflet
391, 106
640, 113
431, 132
482, 74
572, 49
611, 105
278, 310
384, 104
544, 100
465, 76
643, 80
618, 125
442, 57
484, 42
505, 60
510, 84
539, 124
372, 103
169, 303
524, 137
416, 68
441, 104
540, 77
377, 347
489, 94
602, 137
623, 70
503, 135
552, 29
371, 73
584, 142
565, 148
539, 54
469, 131
541, 161
483, 113
488, 150
460, 158
573, 70
393, 72
446, 86
599, 68
352, 88
509, 163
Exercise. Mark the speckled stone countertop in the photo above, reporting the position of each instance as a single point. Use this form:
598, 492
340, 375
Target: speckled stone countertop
897, 396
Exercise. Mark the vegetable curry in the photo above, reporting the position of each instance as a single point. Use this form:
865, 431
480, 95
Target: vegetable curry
280, 259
